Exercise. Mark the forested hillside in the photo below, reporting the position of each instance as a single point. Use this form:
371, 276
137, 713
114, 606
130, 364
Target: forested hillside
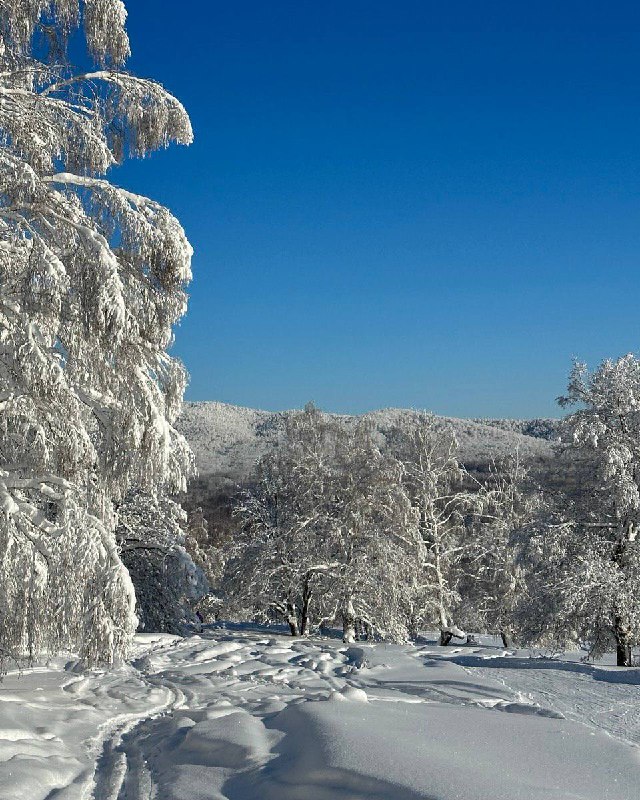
228, 439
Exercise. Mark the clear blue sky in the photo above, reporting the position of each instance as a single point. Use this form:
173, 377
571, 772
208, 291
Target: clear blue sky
400, 203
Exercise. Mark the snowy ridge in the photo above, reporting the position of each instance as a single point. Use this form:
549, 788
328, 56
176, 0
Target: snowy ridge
228, 439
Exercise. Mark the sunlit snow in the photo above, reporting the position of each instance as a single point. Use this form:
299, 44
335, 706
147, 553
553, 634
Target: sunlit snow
249, 714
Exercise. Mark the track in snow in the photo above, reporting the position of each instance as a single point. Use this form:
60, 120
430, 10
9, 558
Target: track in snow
239, 714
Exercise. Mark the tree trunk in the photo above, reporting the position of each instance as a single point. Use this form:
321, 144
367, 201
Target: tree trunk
304, 615
364, 631
621, 627
292, 619
304, 624
445, 638
348, 622
622, 632
507, 641
445, 634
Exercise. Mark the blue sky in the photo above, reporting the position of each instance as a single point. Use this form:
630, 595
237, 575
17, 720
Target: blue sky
399, 204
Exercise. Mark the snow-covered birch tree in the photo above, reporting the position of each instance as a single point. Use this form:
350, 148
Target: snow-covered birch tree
433, 479
326, 532
590, 581
279, 551
494, 582
93, 278
372, 535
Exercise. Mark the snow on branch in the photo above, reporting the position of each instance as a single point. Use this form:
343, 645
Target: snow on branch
93, 281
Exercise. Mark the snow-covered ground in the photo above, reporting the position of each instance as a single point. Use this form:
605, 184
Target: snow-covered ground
255, 715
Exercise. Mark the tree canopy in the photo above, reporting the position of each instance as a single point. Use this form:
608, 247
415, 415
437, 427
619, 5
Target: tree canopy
93, 278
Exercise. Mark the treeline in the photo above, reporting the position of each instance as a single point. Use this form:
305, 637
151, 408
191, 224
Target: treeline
387, 535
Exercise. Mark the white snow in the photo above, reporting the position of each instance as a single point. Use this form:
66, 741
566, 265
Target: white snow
227, 439
239, 713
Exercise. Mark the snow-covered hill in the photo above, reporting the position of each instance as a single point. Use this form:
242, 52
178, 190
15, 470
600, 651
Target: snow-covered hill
228, 439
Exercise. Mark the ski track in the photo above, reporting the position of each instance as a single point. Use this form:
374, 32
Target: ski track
214, 679
202, 718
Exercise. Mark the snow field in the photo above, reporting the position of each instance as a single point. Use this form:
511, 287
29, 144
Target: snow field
237, 715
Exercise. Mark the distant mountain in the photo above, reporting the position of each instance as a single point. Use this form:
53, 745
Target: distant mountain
228, 439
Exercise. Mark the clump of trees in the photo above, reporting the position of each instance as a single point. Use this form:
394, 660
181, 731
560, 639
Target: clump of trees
387, 532
93, 278
342, 523
321, 526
